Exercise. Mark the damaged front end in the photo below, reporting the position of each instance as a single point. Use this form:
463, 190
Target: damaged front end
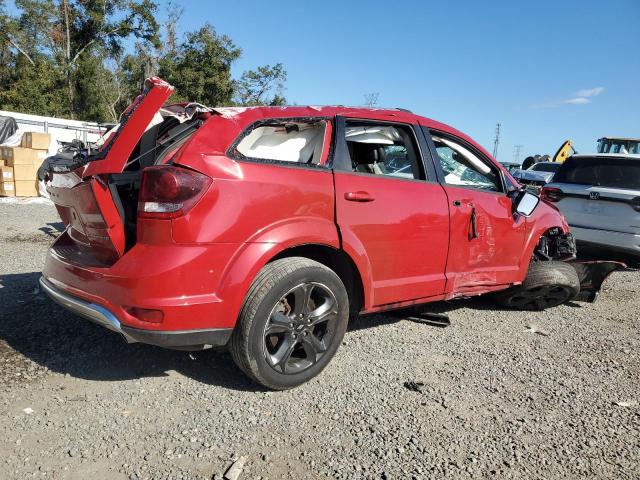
559, 246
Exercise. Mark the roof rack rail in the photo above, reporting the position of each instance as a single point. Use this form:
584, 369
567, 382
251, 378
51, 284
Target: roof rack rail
404, 110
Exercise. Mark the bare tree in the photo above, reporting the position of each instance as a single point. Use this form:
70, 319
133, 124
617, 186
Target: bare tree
371, 99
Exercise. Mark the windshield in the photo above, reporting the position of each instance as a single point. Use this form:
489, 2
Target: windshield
545, 167
602, 172
610, 145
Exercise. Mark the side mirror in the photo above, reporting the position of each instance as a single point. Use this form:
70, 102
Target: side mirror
526, 203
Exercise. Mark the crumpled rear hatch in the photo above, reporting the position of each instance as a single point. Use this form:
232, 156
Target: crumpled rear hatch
86, 201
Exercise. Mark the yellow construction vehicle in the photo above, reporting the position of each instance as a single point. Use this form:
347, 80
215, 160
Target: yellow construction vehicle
565, 150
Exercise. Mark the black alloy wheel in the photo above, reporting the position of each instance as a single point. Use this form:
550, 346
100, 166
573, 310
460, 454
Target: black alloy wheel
300, 327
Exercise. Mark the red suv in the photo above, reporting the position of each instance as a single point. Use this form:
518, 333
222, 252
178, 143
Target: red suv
264, 228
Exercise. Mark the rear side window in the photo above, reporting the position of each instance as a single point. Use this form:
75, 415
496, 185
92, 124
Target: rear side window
287, 141
602, 172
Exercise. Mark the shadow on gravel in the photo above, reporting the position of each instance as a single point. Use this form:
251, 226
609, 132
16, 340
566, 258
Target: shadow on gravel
53, 230
36, 327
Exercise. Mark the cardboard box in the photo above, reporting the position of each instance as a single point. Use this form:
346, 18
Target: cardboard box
26, 188
7, 189
25, 172
36, 140
22, 156
6, 173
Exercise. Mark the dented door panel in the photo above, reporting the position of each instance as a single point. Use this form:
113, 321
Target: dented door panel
487, 251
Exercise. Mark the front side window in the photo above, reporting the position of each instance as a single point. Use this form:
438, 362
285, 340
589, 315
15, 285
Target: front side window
383, 150
295, 141
462, 167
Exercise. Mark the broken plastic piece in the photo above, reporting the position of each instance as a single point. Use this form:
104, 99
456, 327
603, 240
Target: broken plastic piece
434, 319
592, 275
414, 386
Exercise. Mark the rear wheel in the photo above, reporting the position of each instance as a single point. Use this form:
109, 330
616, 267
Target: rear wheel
548, 284
292, 323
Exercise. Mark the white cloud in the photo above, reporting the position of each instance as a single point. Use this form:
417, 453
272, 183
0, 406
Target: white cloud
577, 101
581, 97
590, 92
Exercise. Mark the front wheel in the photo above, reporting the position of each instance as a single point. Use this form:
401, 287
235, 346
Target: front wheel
293, 320
547, 285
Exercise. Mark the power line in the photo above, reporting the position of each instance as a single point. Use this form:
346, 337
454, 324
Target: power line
516, 153
496, 141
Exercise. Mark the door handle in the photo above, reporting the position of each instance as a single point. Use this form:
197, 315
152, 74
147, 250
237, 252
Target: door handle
358, 196
474, 228
457, 203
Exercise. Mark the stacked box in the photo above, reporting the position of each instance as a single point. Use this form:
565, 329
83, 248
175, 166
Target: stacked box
36, 140
22, 156
26, 188
19, 165
7, 187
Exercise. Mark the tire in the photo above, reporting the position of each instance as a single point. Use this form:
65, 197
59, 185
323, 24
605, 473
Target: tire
547, 285
270, 327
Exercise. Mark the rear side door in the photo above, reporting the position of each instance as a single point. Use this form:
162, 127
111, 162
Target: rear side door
391, 214
486, 241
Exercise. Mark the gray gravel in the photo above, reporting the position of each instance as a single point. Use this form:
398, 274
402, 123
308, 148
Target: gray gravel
497, 400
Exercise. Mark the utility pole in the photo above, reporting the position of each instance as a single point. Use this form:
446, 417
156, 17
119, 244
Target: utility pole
496, 141
516, 153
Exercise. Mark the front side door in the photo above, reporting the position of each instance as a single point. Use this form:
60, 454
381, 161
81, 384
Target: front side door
486, 238
389, 214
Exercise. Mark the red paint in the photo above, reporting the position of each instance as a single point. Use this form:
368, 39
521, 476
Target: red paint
134, 122
401, 235
493, 257
407, 240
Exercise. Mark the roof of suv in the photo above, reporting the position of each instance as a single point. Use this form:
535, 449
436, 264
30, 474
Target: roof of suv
390, 114
314, 110
606, 155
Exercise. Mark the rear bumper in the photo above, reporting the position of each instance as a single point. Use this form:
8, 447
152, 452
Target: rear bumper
181, 281
185, 339
627, 242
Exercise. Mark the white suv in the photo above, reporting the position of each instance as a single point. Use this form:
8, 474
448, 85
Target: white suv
600, 197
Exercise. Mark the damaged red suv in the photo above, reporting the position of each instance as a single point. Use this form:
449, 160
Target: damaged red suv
264, 229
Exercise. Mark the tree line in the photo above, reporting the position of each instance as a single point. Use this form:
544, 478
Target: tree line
87, 59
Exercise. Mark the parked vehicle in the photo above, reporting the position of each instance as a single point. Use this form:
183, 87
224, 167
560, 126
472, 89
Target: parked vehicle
619, 145
600, 197
536, 175
510, 166
263, 229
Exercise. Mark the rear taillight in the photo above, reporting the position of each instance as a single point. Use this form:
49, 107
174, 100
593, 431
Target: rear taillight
635, 203
170, 192
552, 194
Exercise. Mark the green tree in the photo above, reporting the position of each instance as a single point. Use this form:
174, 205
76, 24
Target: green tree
262, 86
75, 38
200, 69
70, 58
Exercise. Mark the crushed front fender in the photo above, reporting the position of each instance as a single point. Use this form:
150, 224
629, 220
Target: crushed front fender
592, 274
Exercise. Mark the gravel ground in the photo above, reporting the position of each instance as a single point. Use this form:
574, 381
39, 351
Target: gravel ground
497, 399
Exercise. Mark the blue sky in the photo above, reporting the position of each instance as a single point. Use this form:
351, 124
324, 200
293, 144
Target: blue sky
546, 70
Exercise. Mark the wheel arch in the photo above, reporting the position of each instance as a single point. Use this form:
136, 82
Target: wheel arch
242, 270
556, 242
338, 261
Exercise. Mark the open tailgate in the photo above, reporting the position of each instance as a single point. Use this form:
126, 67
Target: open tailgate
83, 197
